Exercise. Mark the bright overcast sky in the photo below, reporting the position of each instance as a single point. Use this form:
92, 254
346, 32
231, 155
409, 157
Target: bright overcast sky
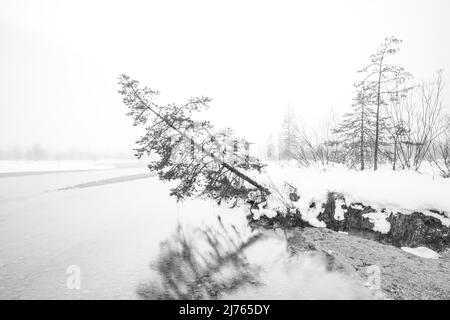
59, 61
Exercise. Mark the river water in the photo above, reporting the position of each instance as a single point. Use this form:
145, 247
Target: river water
126, 238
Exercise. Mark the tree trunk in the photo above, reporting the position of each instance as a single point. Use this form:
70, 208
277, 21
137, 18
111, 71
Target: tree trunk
377, 125
362, 138
395, 155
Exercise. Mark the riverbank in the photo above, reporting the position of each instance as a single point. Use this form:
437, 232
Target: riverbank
402, 275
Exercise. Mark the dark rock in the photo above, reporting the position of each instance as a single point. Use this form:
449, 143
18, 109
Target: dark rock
417, 229
411, 230
290, 220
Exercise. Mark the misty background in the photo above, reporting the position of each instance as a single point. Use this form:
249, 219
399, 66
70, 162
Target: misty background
59, 63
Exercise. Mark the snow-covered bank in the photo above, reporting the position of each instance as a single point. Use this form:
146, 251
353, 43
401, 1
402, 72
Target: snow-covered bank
394, 191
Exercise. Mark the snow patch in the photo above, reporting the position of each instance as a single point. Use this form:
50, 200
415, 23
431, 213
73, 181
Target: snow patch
378, 218
444, 220
309, 215
356, 206
339, 212
422, 252
269, 213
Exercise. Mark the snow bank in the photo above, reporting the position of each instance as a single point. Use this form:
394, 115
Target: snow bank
309, 214
422, 252
395, 191
269, 213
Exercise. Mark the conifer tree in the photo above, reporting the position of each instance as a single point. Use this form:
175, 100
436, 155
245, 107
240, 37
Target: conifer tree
356, 132
205, 162
380, 81
289, 136
270, 148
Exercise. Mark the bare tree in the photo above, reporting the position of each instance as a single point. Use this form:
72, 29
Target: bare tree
415, 122
440, 150
440, 155
320, 144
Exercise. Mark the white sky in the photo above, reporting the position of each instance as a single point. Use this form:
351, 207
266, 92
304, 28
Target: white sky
59, 61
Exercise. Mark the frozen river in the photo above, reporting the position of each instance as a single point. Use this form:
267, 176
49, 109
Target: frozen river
108, 231
115, 225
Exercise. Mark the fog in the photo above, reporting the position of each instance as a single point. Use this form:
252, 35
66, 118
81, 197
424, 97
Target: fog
59, 62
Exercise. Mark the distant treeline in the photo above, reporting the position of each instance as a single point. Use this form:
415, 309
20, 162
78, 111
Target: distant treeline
37, 152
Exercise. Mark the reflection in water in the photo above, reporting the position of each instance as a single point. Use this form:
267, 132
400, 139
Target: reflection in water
203, 263
219, 261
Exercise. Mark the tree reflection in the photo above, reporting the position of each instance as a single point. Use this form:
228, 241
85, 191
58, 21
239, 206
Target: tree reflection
203, 263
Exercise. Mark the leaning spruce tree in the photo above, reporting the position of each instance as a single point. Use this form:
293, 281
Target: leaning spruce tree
205, 162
